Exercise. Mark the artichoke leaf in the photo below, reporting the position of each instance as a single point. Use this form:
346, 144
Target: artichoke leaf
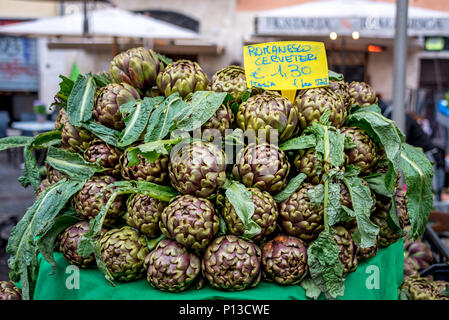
136, 115
335, 76
14, 142
325, 267
418, 175
65, 88
47, 237
31, 174
22, 245
290, 188
152, 243
312, 290
305, 141
81, 100
151, 150
108, 135
242, 201
71, 164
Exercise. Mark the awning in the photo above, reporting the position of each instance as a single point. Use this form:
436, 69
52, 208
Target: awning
112, 22
370, 19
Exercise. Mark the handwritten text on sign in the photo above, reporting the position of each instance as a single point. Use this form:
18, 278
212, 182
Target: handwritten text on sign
286, 65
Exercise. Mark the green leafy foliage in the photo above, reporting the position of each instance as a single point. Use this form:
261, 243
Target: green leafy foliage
151, 150
65, 88
152, 243
108, 135
14, 142
312, 290
136, 115
47, 238
71, 164
81, 100
31, 174
166, 60
22, 245
418, 175
382, 130
162, 120
298, 143
203, 106
101, 80
335, 76
325, 267
290, 188
242, 201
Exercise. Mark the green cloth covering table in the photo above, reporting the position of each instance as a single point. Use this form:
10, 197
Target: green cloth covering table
377, 278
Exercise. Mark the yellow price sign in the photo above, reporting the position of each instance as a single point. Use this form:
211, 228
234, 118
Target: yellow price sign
286, 65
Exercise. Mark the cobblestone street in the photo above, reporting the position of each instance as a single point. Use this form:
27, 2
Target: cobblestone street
14, 201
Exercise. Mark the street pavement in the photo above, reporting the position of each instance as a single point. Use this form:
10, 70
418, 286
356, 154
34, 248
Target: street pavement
14, 201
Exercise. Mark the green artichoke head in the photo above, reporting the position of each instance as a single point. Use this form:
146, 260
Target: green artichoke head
362, 94
144, 214
306, 162
191, 221
108, 101
123, 252
419, 289
232, 263
312, 103
299, 217
94, 195
265, 215
182, 76
171, 267
263, 166
137, 67
348, 249
156, 171
9, 291
341, 88
266, 112
68, 245
232, 80
197, 168
74, 139
284, 260
107, 156
366, 153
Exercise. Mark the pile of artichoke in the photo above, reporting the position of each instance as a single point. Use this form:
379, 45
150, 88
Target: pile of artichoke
181, 212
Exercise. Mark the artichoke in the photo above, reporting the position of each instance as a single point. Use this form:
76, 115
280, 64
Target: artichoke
232, 80
401, 207
123, 252
73, 138
284, 260
419, 289
137, 67
191, 221
87, 202
43, 185
144, 214
170, 267
418, 254
156, 172
232, 263
221, 121
265, 215
299, 217
307, 163
54, 175
68, 245
9, 291
348, 250
268, 111
362, 94
380, 217
197, 168
341, 88
107, 156
108, 101
262, 166
312, 103
409, 269
182, 76
366, 153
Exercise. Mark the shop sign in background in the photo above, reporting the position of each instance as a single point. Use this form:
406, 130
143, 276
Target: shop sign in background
18, 64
